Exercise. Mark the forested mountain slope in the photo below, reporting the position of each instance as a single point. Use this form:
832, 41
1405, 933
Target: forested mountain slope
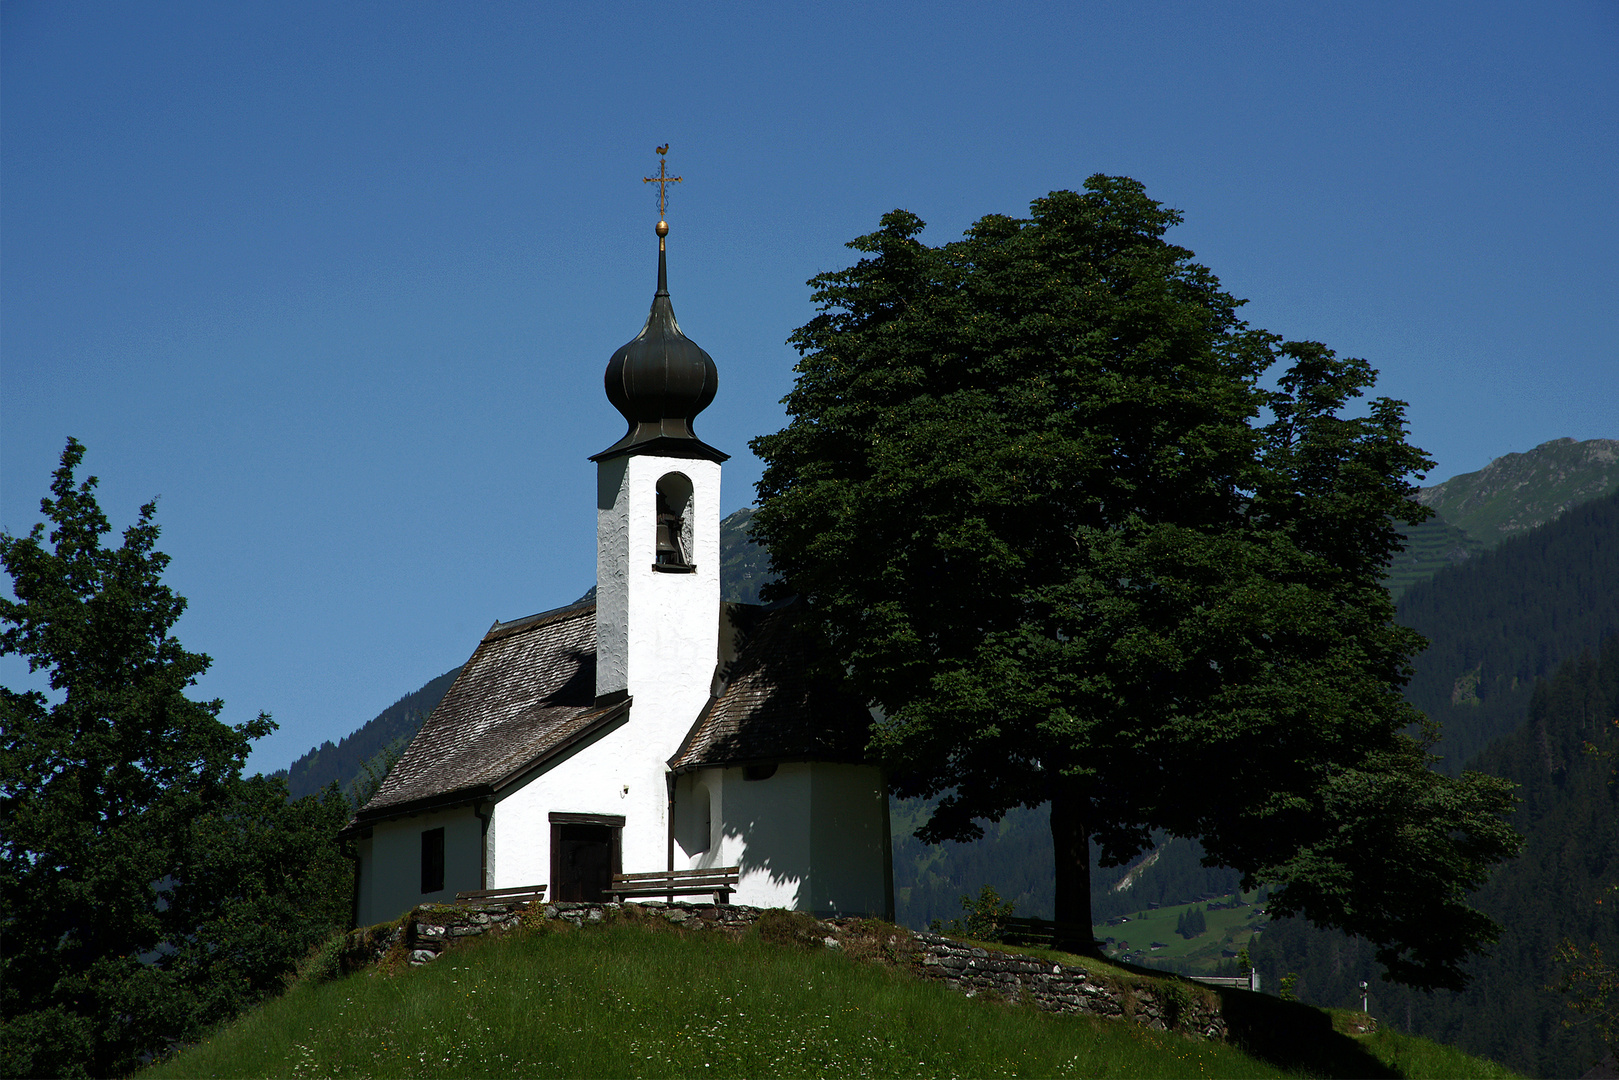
1495, 624
1570, 818
1508, 617
1429, 548
344, 761
1014, 857
744, 565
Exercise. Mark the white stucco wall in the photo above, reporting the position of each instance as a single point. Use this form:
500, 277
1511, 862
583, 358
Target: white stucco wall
608, 775
697, 839
765, 830
391, 863
850, 848
813, 836
612, 575
657, 637
657, 633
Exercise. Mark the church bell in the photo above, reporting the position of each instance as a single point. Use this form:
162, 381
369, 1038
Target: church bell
670, 552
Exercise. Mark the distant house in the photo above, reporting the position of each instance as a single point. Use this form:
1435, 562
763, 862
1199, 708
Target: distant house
654, 728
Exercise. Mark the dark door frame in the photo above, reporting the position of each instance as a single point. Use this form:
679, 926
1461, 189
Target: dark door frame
615, 825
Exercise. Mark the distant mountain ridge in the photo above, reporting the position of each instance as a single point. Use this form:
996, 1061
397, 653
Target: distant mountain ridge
1475, 511
1555, 890
1516, 492
344, 761
744, 565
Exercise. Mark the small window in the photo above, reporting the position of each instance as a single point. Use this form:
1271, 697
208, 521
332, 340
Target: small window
433, 860
758, 772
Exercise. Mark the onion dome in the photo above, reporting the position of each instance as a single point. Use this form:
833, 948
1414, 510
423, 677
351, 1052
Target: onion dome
660, 381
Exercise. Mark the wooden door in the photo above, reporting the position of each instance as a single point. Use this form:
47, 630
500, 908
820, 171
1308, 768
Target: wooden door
584, 859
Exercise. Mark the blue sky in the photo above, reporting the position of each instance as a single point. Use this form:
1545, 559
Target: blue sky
338, 281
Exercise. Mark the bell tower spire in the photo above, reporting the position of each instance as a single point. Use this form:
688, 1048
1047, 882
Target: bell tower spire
663, 180
661, 379
657, 525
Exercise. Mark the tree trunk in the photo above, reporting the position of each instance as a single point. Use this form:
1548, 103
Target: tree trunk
1071, 846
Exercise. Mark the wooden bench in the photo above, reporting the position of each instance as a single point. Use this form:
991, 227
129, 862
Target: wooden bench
522, 894
1051, 935
719, 880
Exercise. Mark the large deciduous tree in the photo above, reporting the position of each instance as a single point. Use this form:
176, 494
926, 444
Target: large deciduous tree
1050, 521
148, 889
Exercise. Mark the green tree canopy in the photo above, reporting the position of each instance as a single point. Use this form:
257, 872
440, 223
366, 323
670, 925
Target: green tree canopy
148, 889
1051, 523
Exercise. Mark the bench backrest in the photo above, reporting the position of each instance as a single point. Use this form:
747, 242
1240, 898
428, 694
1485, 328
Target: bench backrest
520, 892
727, 874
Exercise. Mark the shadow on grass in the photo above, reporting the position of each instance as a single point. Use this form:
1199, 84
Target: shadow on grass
1296, 1037
1287, 1034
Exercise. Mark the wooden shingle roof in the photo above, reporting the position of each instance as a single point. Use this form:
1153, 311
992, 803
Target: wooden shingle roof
527, 693
772, 707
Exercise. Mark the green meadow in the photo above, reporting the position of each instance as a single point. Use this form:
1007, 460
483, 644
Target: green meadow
1228, 928
635, 1000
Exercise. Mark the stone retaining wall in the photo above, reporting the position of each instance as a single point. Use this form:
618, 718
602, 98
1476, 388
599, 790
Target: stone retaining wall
426, 932
1063, 988
429, 929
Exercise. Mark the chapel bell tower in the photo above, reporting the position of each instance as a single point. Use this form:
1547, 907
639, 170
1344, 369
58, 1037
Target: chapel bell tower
657, 523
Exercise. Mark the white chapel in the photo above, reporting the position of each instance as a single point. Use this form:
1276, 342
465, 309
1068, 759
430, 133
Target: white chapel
655, 728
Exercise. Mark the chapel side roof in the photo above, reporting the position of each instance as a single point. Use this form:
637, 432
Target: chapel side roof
527, 692
772, 707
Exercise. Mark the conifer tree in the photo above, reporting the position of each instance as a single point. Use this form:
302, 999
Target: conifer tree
146, 888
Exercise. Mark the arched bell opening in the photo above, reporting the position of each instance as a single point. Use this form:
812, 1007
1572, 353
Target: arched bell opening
674, 518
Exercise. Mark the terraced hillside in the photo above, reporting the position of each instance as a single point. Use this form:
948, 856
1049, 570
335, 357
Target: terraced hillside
1429, 548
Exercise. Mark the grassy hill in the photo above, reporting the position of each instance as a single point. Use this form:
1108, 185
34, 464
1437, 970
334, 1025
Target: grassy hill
637, 999
1149, 936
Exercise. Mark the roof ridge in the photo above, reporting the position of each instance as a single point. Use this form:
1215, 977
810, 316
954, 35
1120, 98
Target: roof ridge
532, 622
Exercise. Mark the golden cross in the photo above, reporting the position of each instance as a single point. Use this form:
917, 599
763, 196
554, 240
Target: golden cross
663, 179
